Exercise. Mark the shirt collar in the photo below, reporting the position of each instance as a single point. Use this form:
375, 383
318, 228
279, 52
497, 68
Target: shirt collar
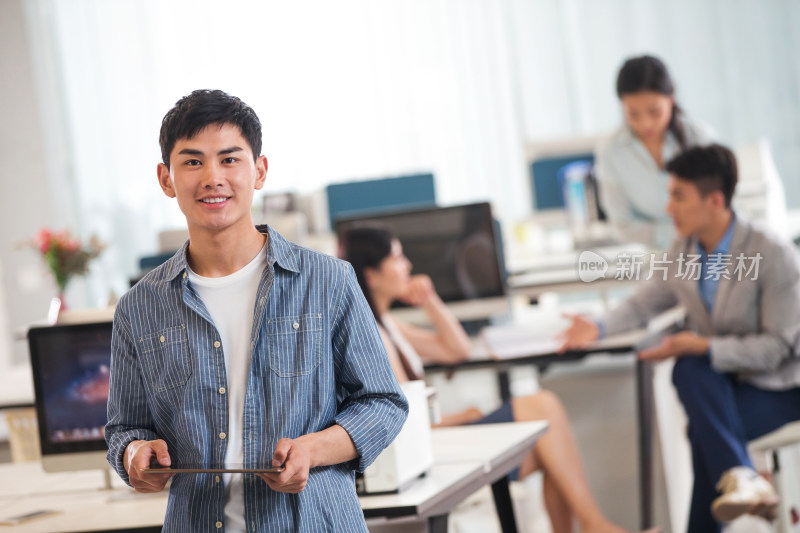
670, 142
724, 245
279, 251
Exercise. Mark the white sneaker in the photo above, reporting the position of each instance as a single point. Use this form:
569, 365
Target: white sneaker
743, 492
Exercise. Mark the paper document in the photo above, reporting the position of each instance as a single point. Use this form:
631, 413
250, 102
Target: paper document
520, 340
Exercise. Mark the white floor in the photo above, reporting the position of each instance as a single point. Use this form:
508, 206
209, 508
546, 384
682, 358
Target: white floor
477, 514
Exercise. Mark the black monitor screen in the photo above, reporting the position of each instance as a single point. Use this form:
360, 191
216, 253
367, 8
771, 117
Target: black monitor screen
70, 366
456, 246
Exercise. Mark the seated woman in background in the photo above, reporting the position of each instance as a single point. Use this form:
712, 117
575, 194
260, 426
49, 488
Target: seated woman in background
384, 274
631, 160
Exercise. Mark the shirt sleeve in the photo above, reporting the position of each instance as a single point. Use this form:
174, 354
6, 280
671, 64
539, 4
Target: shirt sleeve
372, 408
652, 298
129, 417
601, 329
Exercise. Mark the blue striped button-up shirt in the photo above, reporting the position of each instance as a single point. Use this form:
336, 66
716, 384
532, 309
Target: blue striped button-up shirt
317, 360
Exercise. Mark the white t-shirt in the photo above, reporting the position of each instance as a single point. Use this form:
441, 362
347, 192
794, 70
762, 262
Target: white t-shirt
231, 301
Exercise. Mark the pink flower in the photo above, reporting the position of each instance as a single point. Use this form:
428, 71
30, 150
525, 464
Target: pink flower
43, 239
64, 255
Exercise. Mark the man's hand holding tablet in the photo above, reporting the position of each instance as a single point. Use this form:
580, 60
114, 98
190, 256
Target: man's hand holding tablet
140, 456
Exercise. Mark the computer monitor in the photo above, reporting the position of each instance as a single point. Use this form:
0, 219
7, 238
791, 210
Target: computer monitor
547, 159
70, 365
355, 198
547, 182
458, 247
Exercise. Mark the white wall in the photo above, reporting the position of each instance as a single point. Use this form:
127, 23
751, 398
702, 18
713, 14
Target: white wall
546, 69
26, 205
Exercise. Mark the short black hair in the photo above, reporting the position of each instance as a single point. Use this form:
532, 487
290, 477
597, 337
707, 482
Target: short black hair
710, 168
192, 113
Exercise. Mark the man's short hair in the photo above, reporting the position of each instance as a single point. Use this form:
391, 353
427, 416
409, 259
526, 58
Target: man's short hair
711, 168
202, 108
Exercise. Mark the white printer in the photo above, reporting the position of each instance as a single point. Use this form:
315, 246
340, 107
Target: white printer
411, 453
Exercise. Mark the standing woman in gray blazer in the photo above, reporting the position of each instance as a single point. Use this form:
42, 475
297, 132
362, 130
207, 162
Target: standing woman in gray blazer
630, 162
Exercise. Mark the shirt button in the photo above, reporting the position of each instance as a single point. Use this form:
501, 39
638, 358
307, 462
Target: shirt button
216, 478
217, 344
222, 390
222, 435
162, 338
295, 325
219, 525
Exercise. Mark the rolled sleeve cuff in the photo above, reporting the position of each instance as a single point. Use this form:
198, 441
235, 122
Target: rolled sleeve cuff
117, 443
719, 350
371, 429
601, 329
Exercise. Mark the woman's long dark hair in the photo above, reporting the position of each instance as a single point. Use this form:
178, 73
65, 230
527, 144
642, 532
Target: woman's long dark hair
648, 73
366, 247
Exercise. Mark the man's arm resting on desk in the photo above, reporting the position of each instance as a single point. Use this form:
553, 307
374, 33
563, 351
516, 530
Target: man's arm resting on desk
653, 297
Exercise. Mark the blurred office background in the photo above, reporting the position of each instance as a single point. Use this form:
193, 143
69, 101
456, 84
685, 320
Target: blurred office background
356, 90
346, 90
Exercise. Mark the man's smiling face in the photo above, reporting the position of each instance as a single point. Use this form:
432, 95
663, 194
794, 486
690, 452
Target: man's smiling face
213, 175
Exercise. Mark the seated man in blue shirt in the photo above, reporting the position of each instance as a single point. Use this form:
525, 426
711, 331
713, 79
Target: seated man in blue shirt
244, 348
736, 372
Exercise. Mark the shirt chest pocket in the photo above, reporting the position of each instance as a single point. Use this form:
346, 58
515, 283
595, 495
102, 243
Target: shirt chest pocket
294, 344
166, 358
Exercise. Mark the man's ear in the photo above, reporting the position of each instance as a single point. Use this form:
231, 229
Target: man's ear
165, 180
261, 171
718, 199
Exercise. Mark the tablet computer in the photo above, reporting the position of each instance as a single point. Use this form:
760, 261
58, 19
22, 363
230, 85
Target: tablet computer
228, 469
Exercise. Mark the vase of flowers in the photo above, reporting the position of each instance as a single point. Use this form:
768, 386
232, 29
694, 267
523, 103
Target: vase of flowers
66, 258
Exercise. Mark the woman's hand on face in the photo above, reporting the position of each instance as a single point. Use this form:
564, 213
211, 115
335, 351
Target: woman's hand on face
420, 290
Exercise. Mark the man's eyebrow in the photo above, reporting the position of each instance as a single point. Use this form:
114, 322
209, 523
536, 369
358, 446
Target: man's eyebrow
230, 150
224, 151
190, 151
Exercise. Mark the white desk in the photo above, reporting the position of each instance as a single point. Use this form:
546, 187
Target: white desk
466, 459
24, 487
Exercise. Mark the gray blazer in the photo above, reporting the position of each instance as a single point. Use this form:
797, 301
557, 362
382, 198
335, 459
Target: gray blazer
754, 326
